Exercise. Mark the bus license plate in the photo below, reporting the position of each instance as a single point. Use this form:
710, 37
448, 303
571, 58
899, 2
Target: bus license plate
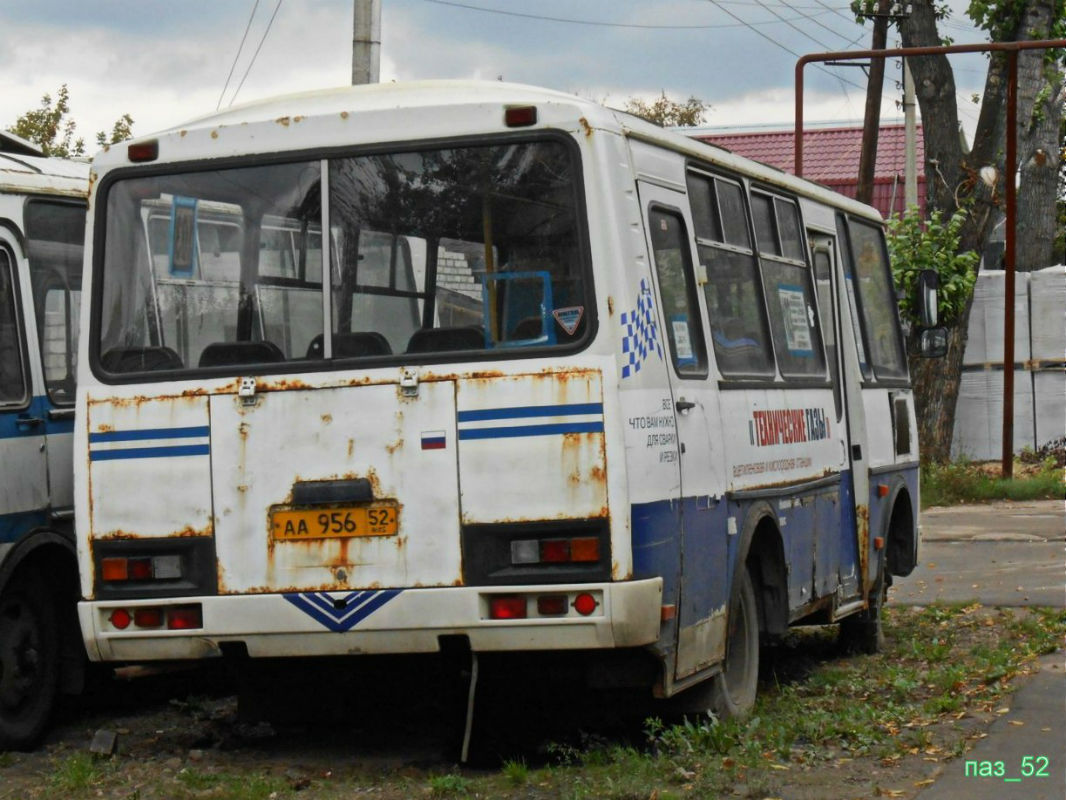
334, 523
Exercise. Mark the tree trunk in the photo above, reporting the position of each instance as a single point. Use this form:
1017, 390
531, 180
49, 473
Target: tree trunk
952, 178
1040, 100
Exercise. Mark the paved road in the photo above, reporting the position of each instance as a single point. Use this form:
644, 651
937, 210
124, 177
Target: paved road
1005, 554
1002, 554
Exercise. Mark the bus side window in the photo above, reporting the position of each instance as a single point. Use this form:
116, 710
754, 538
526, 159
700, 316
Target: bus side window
787, 284
876, 300
12, 377
735, 307
681, 314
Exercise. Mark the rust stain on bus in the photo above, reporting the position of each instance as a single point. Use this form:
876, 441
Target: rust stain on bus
585, 124
862, 530
186, 532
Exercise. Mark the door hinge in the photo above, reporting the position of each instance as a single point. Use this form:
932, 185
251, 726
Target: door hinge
247, 392
409, 383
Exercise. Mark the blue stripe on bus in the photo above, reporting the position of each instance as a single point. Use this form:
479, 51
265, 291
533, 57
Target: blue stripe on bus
321, 608
14, 526
523, 412
38, 409
150, 452
150, 433
515, 431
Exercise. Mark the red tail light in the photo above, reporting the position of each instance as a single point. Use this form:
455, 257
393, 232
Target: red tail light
143, 151
183, 618
148, 617
585, 604
520, 116
120, 618
507, 606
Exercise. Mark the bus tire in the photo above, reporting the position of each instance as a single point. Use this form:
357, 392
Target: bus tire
864, 632
29, 663
733, 689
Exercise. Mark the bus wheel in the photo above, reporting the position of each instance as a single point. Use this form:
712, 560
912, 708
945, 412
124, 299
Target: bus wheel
733, 689
863, 632
29, 668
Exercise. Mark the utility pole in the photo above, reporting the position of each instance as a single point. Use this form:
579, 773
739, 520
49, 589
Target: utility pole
366, 42
910, 167
871, 125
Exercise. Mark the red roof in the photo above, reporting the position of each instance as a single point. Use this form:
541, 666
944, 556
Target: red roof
831, 157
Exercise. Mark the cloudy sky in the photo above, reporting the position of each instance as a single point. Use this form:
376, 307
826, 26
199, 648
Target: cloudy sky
165, 61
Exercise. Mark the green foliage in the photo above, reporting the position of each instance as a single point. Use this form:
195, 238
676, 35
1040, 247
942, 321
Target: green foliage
516, 772
50, 128
450, 785
915, 244
120, 132
77, 773
964, 482
669, 113
1002, 18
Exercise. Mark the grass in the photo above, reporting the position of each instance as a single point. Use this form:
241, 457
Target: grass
941, 663
77, 773
832, 724
970, 482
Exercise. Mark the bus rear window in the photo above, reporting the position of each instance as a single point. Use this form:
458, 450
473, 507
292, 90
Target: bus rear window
431, 253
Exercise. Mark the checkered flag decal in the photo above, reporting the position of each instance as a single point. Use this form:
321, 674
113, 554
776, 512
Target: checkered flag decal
640, 335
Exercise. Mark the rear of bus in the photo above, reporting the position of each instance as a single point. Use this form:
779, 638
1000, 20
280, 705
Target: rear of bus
348, 397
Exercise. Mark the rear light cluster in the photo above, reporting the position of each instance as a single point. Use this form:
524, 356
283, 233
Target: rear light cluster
577, 550
519, 606
141, 568
172, 618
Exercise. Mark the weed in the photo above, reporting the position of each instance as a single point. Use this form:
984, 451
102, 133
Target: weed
450, 785
516, 772
76, 773
6, 759
965, 482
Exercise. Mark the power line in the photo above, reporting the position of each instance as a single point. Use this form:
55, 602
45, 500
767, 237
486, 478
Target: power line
256, 53
595, 23
233, 66
794, 27
719, 4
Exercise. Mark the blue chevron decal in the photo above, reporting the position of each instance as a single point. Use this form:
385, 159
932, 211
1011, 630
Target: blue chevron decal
341, 613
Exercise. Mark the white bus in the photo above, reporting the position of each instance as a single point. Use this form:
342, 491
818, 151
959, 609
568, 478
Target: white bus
369, 370
42, 229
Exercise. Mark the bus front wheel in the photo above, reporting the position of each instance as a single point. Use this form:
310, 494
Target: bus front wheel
29, 670
733, 689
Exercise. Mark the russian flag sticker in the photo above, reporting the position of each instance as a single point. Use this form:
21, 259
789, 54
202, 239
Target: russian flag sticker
433, 440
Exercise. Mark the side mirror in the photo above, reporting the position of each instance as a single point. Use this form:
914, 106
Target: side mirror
933, 342
928, 283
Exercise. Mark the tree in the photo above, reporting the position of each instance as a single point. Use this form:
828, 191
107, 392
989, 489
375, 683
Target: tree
52, 130
665, 112
953, 171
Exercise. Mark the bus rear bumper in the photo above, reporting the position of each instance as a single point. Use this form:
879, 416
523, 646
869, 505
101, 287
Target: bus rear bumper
609, 615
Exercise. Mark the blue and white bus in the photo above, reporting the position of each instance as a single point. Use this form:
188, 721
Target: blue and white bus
42, 229
371, 369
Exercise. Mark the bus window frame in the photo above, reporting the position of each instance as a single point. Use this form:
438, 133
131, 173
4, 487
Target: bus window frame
776, 196
870, 377
325, 154
21, 345
692, 292
39, 294
736, 380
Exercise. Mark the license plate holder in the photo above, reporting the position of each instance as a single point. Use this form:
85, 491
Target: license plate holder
334, 522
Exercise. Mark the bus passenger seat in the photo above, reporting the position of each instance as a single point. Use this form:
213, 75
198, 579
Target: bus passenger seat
433, 340
220, 353
140, 359
352, 345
